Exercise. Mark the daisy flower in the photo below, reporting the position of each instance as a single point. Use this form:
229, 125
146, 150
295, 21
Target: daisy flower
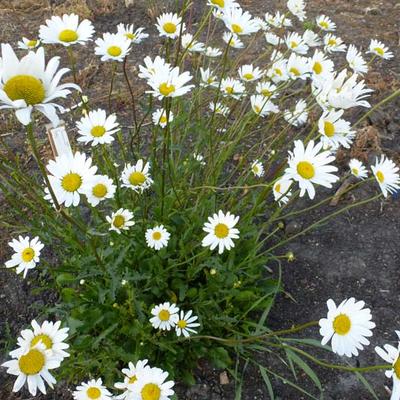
239, 22
98, 188
298, 116
233, 40
391, 355
379, 49
169, 25
295, 42
262, 106
157, 237
112, 47
192, 45
120, 220
186, 323
325, 23
97, 128
212, 52
135, 36
278, 71
273, 39
68, 176
262, 24
32, 366
281, 190
137, 176
159, 117
320, 66
165, 316
199, 158
248, 73
28, 44
387, 175
222, 4
208, 78
219, 108
266, 89
92, 390
220, 231
335, 132
152, 385
298, 67
27, 84
311, 39
232, 88
153, 68
66, 30
296, 7
348, 325
333, 43
130, 378
357, 169
278, 20
309, 166
49, 333
356, 61
27, 254
257, 168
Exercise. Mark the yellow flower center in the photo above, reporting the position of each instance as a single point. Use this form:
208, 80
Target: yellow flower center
99, 190
32, 43
257, 109
45, 339
93, 393
355, 171
28, 254
67, 35
221, 231
293, 44
229, 89
210, 79
341, 324
237, 28
156, 235
220, 3
114, 51
396, 367
266, 92
380, 51
98, 131
305, 169
25, 87
132, 379
119, 221
32, 362
151, 391
278, 71
295, 71
166, 89
248, 76
164, 315
278, 187
71, 182
182, 324
317, 67
332, 42
329, 128
137, 178
255, 167
169, 27
380, 177
324, 25
130, 36
163, 119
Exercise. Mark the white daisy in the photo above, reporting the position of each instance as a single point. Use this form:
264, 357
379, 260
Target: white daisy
135, 36
199, 158
28, 84
120, 220
278, 20
49, 333
28, 44
68, 176
299, 115
169, 25
165, 316
239, 22
160, 117
298, 67
358, 169
208, 78
320, 66
98, 188
220, 231
27, 254
248, 73
296, 7
311, 39
379, 49
281, 190
262, 106
356, 61
137, 176
257, 168
325, 23
262, 24
157, 237
212, 52
219, 108
348, 325
186, 323
273, 39
153, 68
295, 42
267, 89
130, 377
232, 88
188, 42
309, 166
333, 43
97, 128
233, 40
92, 390
222, 4
112, 47
278, 71
387, 175
32, 366
66, 30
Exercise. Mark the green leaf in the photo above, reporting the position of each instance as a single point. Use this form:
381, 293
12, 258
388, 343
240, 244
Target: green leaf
366, 384
267, 382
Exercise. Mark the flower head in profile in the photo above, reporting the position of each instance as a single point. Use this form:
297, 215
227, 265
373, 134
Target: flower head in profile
257, 168
298, 67
96, 127
295, 43
29, 84
299, 115
248, 73
220, 230
356, 61
266, 89
135, 36
262, 106
231, 87
212, 52
98, 188
357, 169
161, 118
239, 22
120, 220
333, 44
325, 23
281, 190
170, 25
92, 390
310, 166
219, 108
186, 324
66, 30
296, 7
387, 175
311, 39
233, 40
157, 237
112, 47
130, 377
208, 78
28, 44
152, 68
68, 176
26, 254
137, 176
379, 49
165, 316
188, 42
348, 325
